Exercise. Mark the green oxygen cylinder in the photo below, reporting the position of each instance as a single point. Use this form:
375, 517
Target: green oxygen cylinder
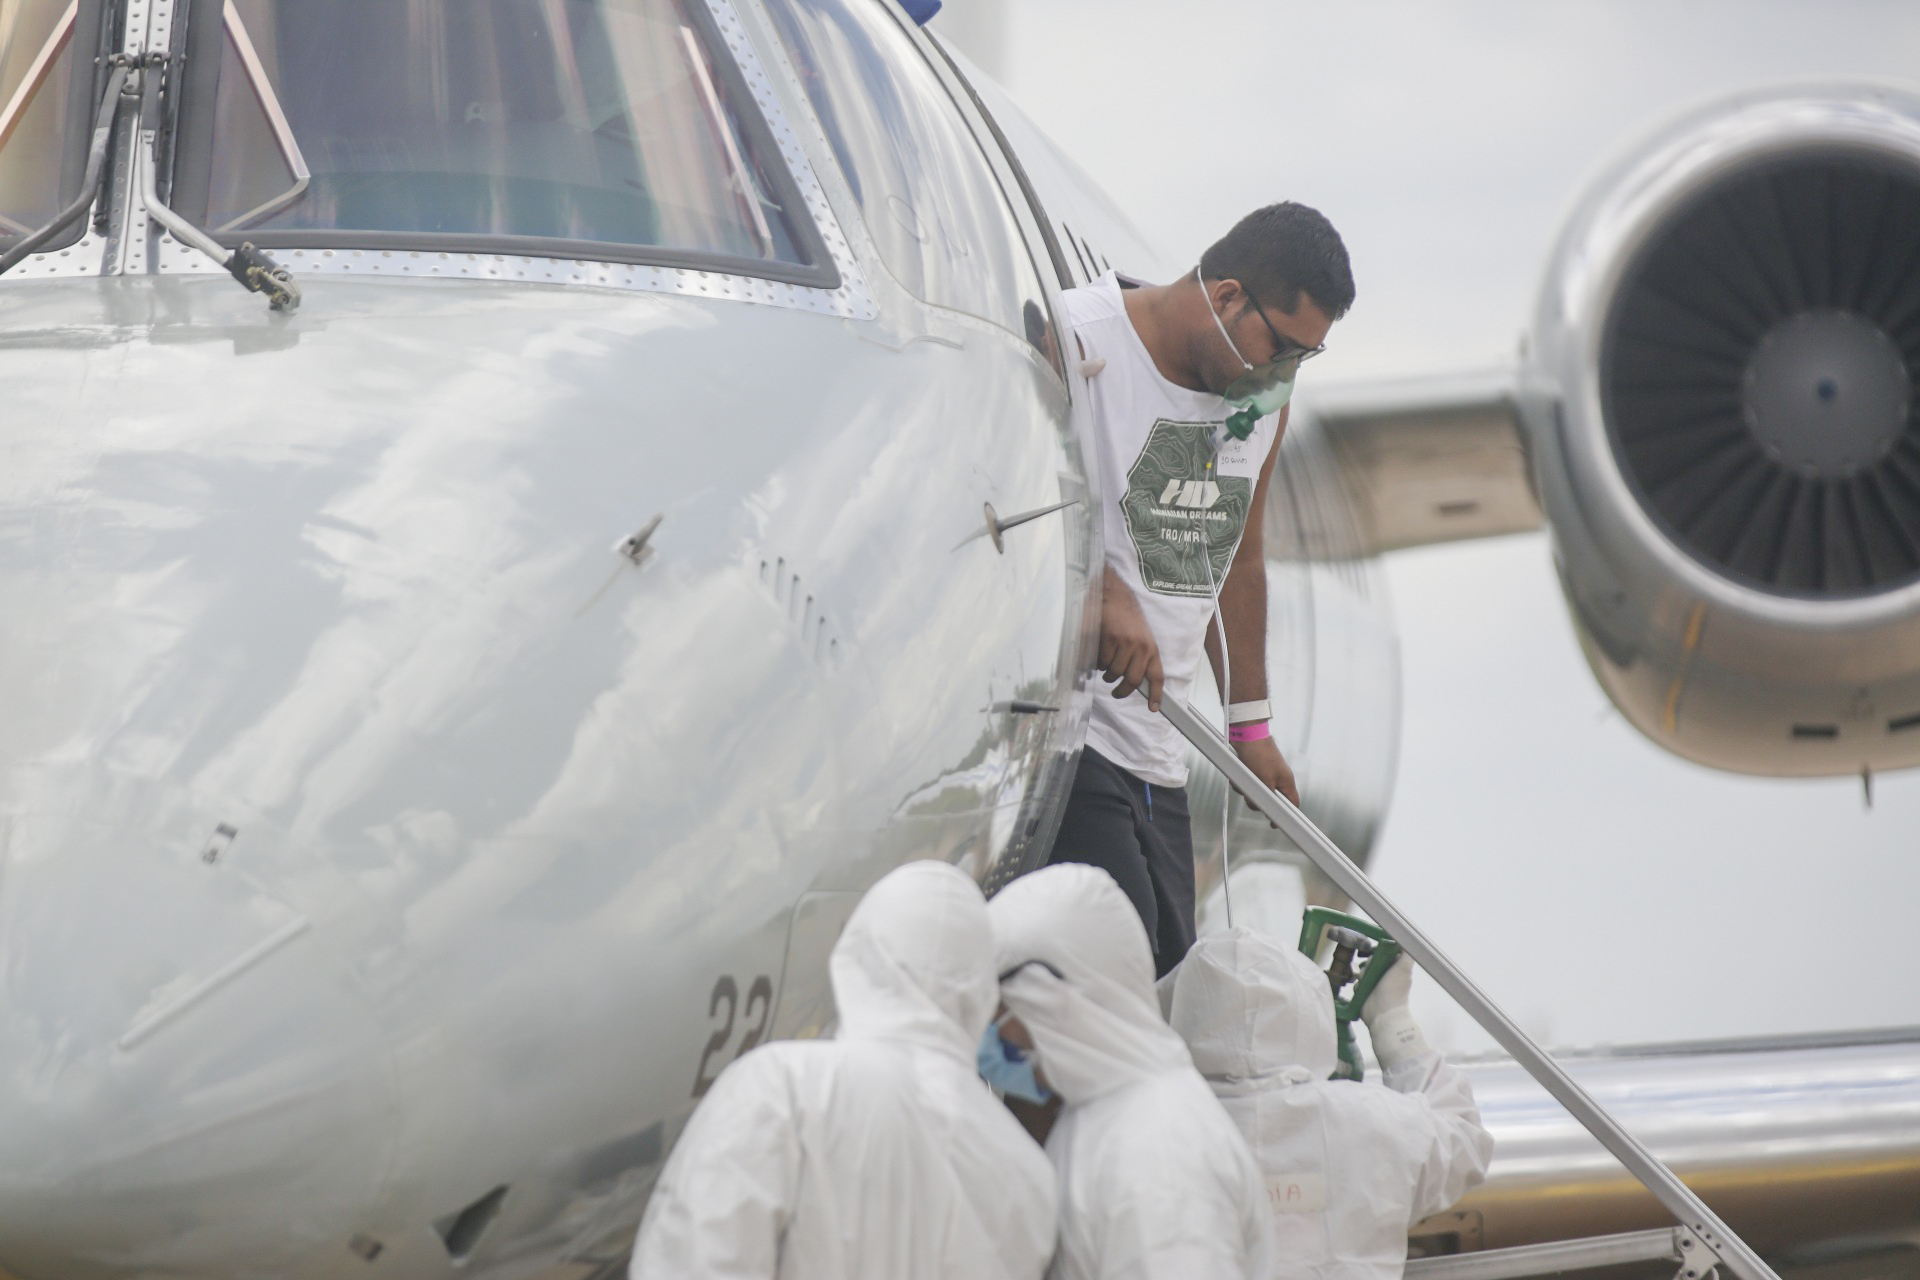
1355, 953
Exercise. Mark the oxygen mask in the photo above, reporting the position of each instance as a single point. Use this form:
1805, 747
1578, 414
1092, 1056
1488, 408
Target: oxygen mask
1263, 388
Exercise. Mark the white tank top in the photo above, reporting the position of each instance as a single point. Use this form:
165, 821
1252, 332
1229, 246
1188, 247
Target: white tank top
1150, 443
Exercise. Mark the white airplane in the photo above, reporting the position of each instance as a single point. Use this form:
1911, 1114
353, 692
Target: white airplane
515, 513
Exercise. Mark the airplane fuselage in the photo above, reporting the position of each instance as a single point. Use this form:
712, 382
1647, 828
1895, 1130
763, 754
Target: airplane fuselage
399, 793
446, 725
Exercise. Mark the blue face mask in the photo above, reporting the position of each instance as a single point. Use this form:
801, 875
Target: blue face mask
1008, 1067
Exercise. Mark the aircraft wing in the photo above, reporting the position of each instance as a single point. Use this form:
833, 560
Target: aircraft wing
1809, 1146
1430, 460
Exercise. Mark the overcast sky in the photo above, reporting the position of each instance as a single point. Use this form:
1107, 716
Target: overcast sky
1601, 889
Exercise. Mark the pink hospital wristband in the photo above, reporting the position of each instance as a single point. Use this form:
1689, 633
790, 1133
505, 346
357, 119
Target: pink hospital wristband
1249, 732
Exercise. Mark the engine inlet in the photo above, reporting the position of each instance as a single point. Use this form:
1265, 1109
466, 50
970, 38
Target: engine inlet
1758, 370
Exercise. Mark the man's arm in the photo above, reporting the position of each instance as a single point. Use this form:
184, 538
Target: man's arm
1243, 606
1128, 651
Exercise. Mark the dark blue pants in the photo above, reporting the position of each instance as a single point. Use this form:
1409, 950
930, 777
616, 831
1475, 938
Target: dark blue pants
1140, 835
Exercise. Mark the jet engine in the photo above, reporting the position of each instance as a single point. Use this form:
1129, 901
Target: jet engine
1719, 404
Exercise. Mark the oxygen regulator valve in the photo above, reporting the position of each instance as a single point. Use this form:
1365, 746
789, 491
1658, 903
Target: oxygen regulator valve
1356, 954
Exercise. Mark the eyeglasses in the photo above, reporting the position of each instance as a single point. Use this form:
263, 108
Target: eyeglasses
1288, 355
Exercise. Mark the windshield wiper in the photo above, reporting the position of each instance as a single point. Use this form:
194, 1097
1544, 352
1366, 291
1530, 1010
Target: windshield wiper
109, 111
255, 271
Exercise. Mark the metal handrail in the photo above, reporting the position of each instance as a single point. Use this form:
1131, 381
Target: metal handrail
1668, 1244
1687, 1208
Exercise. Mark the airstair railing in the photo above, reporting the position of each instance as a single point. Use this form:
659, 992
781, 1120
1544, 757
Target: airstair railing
1687, 1208
1663, 1244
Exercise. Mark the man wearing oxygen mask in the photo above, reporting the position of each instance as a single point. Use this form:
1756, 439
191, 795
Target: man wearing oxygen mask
1188, 385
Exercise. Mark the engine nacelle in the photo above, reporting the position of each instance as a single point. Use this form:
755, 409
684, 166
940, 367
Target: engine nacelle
1721, 409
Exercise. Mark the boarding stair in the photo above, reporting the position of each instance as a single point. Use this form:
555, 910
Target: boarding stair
1698, 1243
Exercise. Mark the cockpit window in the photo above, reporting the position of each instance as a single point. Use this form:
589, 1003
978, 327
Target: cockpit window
606, 129
44, 111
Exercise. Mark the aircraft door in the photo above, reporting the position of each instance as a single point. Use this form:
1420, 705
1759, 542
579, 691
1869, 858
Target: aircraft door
927, 194
943, 226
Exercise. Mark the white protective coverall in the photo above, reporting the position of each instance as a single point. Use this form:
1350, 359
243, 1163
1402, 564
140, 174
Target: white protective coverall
1155, 1182
877, 1155
1349, 1166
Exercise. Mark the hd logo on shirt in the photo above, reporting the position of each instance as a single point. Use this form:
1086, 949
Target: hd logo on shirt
1181, 516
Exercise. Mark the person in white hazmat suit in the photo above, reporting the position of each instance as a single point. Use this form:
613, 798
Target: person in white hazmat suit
1349, 1166
879, 1154
1155, 1181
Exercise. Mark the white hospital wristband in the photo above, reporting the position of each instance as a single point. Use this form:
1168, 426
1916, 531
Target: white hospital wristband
1248, 712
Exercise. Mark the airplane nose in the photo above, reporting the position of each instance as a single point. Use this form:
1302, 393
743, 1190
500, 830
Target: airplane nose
169, 1034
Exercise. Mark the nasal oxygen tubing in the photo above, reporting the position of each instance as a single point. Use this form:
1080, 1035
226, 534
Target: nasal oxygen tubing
1226, 671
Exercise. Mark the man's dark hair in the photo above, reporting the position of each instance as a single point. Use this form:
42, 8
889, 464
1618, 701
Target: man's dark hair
1282, 251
